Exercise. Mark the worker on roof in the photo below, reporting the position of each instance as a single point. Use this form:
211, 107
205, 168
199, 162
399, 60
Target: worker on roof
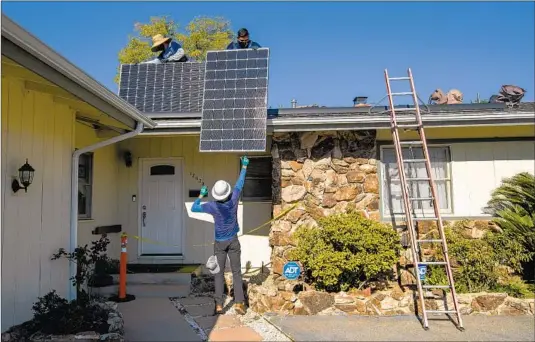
243, 41
224, 210
171, 51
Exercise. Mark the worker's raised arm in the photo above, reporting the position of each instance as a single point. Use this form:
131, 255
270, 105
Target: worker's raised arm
197, 207
241, 179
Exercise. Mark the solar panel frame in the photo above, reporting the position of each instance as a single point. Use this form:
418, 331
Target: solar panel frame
163, 88
228, 88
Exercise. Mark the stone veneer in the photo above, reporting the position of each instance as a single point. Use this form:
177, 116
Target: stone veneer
323, 173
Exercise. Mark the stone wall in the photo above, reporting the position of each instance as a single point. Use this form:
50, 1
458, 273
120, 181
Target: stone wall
323, 173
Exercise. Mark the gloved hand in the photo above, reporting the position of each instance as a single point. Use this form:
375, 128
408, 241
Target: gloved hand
244, 161
204, 191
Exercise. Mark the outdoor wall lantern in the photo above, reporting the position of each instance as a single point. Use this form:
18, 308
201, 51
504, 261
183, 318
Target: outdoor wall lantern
26, 172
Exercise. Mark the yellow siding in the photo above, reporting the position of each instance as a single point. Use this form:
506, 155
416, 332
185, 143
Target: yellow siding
105, 190
208, 166
463, 132
34, 224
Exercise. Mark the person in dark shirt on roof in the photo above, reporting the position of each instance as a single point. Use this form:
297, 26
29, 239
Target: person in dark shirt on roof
171, 51
225, 213
243, 41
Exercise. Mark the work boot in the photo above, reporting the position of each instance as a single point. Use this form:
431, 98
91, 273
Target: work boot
218, 309
239, 308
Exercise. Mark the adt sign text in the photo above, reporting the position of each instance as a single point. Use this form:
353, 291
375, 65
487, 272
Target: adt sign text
291, 270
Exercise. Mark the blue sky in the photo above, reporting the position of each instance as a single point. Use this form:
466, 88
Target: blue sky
321, 52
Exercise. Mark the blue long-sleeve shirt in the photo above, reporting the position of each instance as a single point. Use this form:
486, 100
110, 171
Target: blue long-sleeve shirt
225, 214
250, 45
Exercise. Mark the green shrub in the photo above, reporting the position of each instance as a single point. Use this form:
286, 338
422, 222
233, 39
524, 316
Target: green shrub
345, 251
480, 264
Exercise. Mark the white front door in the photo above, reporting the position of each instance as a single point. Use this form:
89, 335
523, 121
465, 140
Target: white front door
161, 207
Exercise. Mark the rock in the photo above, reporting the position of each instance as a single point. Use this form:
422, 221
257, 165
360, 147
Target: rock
371, 185
89, 335
343, 298
515, 307
532, 307
295, 166
294, 215
388, 303
466, 310
6, 337
366, 168
397, 293
329, 200
337, 152
322, 148
339, 166
308, 139
116, 324
346, 194
488, 302
281, 226
293, 193
277, 265
112, 337
314, 301
348, 308
372, 161
307, 168
287, 173
364, 201
285, 165
323, 164
355, 177
280, 239
316, 176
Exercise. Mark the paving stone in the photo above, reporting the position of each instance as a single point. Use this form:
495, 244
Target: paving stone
201, 310
234, 334
227, 321
196, 301
207, 323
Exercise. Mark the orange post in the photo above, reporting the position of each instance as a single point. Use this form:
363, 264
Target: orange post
122, 268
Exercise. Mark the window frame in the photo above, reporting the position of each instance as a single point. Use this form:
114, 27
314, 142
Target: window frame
89, 183
386, 212
248, 177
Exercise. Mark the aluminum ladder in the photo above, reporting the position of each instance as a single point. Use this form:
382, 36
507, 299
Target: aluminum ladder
408, 199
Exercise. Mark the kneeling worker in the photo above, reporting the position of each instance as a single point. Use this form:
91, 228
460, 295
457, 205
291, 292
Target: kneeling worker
171, 51
243, 41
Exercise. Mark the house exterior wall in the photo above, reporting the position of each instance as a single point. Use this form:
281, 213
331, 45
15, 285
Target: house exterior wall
104, 202
35, 224
198, 235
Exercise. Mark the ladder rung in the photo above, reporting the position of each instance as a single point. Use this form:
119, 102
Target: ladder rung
411, 142
410, 179
430, 241
421, 198
436, 286
404, 78
411, 126
414, 161
424, 219
404, 109
403, 93
432, 263
441, 311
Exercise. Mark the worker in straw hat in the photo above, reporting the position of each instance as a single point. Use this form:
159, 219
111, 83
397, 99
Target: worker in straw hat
225, 212
171, 51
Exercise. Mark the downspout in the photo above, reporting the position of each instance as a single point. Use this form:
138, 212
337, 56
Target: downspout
74, 194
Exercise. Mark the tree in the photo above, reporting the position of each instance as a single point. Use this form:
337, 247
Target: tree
513, 205
202, 34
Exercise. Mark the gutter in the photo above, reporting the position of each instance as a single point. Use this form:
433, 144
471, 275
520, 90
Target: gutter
74, 194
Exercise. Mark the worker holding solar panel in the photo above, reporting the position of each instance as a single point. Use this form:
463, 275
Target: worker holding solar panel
243, 41
171, 51
225, 212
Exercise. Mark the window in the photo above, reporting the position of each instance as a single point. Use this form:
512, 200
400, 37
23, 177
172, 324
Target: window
162, 170
85, 185
391, 187
258, 180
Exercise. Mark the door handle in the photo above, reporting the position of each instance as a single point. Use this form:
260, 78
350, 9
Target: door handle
144, 215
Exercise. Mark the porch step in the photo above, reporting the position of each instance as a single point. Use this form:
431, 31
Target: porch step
146, 290
173, 278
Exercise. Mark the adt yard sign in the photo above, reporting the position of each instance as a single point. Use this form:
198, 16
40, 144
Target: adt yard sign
291, 270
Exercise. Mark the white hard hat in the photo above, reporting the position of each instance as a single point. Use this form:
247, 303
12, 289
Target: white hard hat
221, 190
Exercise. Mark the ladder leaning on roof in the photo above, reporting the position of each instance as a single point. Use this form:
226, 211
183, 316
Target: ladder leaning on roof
409, 198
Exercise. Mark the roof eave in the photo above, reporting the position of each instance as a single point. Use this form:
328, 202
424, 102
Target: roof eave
24, 48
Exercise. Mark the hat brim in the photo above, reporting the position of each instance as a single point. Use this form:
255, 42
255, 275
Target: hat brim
155, 47
223, 196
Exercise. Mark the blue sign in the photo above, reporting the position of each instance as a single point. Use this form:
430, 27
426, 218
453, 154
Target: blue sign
422, 270
291, 270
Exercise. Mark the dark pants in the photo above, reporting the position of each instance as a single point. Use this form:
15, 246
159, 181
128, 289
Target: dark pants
231, 248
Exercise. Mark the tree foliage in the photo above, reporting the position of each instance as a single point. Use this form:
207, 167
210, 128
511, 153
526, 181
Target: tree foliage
202, 34
513, 205
346, 251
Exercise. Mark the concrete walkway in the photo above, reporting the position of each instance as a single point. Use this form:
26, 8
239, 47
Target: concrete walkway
404, 328
155, 319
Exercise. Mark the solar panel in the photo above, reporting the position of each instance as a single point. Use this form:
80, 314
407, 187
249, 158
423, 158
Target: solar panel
164, 88
234, 110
